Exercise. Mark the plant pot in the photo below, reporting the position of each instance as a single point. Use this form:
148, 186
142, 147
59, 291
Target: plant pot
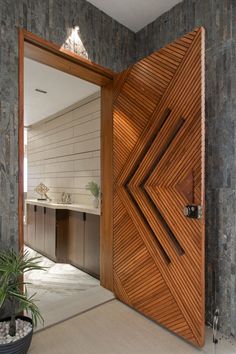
20, 346
96, 203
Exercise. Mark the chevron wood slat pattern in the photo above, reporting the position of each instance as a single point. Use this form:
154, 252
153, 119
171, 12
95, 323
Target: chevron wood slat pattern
158, 169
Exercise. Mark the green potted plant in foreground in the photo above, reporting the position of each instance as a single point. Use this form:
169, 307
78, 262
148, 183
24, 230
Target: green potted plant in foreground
94, 188
16, 331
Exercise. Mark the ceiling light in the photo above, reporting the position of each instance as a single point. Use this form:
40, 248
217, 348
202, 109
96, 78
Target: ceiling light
41, 91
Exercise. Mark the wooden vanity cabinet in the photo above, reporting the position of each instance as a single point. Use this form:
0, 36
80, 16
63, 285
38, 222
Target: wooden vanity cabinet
83, 245
65, 236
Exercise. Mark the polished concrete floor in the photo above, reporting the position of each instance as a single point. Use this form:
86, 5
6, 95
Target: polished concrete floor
63, 291
81, 317
114, 328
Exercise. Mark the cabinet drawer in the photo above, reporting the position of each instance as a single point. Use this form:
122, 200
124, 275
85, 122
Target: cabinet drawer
50, 233
76, 238
39, 229
92, 244
31, 225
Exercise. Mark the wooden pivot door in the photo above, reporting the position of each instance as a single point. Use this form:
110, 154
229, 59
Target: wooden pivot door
158, 166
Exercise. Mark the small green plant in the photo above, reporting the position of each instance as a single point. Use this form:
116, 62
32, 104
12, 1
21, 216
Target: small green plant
94, 188
13, 289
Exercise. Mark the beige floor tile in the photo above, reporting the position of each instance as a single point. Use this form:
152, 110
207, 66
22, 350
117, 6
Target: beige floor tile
114, 328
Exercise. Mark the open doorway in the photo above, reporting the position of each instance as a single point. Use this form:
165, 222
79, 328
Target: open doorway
65, 150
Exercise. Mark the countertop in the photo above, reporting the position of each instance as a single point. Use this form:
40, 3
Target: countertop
74, 207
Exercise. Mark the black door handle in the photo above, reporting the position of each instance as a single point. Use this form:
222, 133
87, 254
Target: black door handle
193, 211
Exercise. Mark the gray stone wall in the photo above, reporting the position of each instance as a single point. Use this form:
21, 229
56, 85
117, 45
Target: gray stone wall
112, 45
104, 41
219, 19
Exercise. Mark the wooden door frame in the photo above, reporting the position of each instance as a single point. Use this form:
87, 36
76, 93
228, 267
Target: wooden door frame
50, 54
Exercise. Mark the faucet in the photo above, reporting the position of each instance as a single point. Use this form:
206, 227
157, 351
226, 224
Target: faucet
66, 198
63, 197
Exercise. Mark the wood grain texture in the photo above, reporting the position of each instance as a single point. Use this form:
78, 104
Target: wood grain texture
76, 239
61, 52
158, 169
62, 228
92, 244
31, 213
50, 233
62, 62
106, 220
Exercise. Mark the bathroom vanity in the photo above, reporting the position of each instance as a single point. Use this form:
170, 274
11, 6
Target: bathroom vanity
65, 233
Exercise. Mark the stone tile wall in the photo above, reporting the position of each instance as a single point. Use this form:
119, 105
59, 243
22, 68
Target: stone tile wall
110, 44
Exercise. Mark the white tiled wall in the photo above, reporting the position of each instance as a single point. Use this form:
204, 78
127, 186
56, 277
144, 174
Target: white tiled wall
64, 152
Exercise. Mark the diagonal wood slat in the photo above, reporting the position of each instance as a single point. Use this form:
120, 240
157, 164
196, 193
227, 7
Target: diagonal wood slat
158, 169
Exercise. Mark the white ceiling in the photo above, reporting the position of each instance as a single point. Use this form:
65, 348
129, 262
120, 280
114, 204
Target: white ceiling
63, 90
134, 14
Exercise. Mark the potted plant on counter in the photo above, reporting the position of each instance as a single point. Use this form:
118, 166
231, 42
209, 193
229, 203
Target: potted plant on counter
94, 188
16, 330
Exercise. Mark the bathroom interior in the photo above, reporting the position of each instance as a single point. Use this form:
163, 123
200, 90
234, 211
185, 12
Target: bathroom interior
62, 190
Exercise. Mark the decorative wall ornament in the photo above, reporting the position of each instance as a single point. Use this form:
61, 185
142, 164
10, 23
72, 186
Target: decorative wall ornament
74, 42
42, 190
